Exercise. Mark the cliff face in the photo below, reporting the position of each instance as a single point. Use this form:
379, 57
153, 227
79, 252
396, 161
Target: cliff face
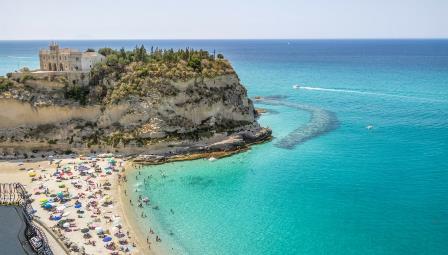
37, 117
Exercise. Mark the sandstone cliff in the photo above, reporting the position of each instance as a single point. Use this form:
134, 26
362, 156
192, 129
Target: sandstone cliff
128, 113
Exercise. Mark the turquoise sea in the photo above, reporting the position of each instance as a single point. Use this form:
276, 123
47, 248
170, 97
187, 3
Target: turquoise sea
353, 190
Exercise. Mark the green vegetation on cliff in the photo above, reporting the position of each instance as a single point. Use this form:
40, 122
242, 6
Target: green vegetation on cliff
139, 72
124, 74
5, 84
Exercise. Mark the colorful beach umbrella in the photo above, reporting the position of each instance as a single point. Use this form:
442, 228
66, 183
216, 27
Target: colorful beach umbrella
107, 239
57, 217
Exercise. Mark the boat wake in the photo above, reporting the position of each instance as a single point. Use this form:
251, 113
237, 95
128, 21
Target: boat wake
321, 122
365, 93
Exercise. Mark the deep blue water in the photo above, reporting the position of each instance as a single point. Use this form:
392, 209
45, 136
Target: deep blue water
350, 191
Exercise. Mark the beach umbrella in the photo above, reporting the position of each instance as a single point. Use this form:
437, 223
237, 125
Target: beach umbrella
84, 230
107, 239
78, 205
60, 194
83, 168
47, 206
99, 230
43, 200
66, 225
57, 217
31, 173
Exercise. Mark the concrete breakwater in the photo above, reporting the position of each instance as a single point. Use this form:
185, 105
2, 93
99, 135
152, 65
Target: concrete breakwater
321, 122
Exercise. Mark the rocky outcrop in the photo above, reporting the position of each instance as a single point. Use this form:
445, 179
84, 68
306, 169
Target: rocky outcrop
204, 114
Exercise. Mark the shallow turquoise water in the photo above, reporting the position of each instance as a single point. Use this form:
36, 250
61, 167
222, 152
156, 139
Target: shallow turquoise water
350, 191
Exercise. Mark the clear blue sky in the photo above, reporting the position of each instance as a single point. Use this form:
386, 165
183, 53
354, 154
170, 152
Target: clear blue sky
223, 19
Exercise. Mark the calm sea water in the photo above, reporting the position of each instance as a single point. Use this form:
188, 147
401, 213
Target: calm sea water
350, 191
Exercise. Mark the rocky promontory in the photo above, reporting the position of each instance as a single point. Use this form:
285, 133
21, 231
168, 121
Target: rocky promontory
162, 103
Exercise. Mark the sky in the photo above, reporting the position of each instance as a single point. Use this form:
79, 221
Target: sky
223, 19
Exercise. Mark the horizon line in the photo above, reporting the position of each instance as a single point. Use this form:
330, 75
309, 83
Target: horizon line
225, 39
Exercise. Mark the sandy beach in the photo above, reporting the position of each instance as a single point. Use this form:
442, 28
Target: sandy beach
81, 201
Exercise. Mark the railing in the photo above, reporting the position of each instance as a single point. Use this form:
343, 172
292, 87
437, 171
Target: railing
14, 194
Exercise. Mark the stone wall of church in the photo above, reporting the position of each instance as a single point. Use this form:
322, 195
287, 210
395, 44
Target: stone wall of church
60, 61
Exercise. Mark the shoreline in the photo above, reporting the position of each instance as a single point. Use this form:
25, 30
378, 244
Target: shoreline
132, 216
128, 219
131, 219
19, 170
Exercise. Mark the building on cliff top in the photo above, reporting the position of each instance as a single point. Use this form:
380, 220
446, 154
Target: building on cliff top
66, 59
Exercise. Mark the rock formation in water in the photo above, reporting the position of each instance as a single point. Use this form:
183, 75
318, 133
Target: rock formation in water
131, 103
321, 122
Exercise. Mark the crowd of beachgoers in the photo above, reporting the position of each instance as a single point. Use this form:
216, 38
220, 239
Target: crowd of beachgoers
77, 199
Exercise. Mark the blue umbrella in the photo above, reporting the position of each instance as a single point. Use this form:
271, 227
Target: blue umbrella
57, 217
107, 239
78, 205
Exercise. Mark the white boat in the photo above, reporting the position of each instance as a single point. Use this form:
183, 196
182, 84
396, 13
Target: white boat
211, 159
296, 86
